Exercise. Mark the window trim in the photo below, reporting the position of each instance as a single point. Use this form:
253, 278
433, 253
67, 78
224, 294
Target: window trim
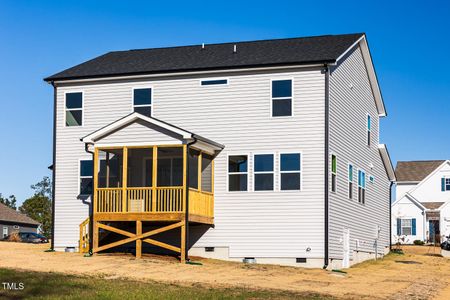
282, 98
365, 187
254, 173
279, 171
82, 107
79, 177
143, 105
213, 79
335, 173
228, 171
350, 181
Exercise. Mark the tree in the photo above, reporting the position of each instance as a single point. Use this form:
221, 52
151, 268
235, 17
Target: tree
10, 201
39, 206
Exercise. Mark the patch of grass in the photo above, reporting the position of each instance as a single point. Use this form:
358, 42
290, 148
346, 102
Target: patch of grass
40, 285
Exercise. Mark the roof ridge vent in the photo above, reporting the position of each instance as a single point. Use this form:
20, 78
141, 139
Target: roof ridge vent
234, 48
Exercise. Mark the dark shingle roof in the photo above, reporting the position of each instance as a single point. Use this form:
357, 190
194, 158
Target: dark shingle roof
306, 50
415, 170
11, 215
432, 205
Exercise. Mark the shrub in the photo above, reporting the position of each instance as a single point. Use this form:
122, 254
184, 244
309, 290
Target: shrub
419, 242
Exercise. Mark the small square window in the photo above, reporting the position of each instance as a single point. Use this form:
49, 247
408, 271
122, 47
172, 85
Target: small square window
142, 101
237, 173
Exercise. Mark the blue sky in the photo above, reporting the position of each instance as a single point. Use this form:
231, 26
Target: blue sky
409, 42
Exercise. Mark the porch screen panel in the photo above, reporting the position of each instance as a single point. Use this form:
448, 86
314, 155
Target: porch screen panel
110, 168
170, 166
193, 168
140, 167
206, 173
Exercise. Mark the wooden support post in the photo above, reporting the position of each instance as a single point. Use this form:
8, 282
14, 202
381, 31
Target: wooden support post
199, 173
154, 177
95, 237
183, 242
138, 241
124, 178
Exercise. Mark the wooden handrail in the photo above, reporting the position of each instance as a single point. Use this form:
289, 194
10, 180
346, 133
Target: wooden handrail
84, 237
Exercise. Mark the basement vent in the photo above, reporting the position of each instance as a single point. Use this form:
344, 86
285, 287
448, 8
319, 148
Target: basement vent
249, 260
209, 249
300, 260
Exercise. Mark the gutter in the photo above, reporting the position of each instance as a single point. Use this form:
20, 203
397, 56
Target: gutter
390, 215
91, 206
186, 218
326, 162
52, 246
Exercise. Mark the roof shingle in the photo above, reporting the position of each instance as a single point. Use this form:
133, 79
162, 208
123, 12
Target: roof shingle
10, 215
415, 170
278, 52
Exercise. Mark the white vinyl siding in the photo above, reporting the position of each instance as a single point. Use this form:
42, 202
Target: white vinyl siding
351, 101
251, 224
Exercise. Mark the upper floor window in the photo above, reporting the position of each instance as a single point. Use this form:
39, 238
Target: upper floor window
237, 173
369, 125
290, 171
445, 184
86, 171
361, 186
350, 181
142, 101
333, 172
74, 109
214, 82
281, 98
263, 168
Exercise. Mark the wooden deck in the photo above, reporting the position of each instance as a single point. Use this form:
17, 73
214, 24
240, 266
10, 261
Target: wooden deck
162, 205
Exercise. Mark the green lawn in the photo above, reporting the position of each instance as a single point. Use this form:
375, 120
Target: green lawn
59, 286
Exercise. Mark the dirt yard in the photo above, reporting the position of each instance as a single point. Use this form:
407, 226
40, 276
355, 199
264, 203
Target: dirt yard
418, 274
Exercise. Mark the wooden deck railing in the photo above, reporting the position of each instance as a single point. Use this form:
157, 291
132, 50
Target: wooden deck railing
201, 203
84, 237
149, 200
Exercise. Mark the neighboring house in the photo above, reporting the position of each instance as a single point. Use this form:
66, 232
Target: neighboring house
272, 147
13, 221
421, 210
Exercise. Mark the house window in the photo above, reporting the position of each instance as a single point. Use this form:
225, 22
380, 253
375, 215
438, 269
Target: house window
5, 231
406, 226
350, 182
361, 186
142, 101
369, 125
74, 109
281, 98
86, 171
445, 185
290, 171
371, 179
237, 173
263, 168
214, 82
333, 172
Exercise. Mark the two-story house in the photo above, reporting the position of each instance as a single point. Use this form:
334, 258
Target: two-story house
264, 150
421, 210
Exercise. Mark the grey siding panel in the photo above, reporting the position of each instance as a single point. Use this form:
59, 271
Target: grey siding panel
351, 99
256, 224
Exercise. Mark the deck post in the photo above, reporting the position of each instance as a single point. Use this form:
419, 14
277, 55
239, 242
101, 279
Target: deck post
154, 177
95, 200
183, 242
95, 237
124, 179
138, 241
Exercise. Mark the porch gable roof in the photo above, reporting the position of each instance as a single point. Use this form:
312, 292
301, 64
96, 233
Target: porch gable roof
133, 117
